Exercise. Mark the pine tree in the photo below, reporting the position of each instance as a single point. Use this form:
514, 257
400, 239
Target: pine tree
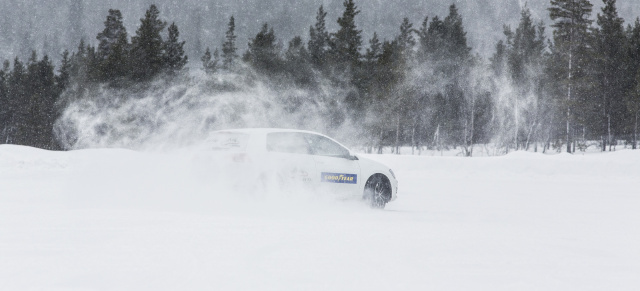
298, 60
453, 59
406, 105
455, 41
611, 63
64, 72
209, 63
29, 128
347, 41
633, 47
42, 96
17, 103
633, 105
92, 63
367, 77
570, 56
78, 64
113, 48
499, 59
263, 52
374, 50
370, 71
229, 49
633, 96
431, 36
524, 53
405, 39
526, 48
4, 100
296, 52
174, 57
147, 46
319, 39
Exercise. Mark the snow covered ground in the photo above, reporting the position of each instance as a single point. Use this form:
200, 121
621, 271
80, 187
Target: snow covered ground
114, 219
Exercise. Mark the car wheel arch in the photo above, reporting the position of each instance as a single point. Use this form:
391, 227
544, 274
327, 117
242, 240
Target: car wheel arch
387, 184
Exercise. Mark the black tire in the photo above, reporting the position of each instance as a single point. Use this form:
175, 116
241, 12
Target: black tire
377, 191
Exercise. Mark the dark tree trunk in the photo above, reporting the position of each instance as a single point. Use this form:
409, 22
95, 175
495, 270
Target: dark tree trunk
635, 133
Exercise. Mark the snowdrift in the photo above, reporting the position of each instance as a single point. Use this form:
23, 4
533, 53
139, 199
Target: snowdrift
113, 219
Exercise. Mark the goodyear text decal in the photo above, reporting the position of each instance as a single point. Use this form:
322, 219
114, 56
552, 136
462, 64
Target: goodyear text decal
339, 178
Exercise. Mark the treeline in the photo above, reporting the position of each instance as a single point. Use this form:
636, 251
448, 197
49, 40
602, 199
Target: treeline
424, 88
30, 93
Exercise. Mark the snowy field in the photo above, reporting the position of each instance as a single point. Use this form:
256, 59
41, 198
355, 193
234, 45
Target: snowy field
123, 220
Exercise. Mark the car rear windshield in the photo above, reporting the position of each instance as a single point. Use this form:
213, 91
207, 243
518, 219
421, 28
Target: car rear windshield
228, 141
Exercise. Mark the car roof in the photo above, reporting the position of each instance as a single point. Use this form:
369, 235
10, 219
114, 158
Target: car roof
264, 131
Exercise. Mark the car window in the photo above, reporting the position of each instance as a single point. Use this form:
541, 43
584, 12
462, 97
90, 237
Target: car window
287, 142
227, 141
323, 146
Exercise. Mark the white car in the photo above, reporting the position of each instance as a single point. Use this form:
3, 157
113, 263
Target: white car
306, 159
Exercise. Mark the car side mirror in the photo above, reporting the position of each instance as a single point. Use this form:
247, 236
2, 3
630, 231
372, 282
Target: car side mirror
351, 157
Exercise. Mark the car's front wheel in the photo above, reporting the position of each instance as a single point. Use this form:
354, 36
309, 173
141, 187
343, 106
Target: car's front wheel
377, 191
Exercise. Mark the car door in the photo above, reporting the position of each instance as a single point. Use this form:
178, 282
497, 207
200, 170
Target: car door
291, 160
337, 171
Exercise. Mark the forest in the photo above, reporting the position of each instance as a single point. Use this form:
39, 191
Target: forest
565, 91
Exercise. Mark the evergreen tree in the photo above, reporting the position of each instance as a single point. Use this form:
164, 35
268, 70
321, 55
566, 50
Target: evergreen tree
64, 72
499, 59
523, 57
174, 58
370, 69
443, 51
431, 36
633, 97
296, 52
17, 103
209, 63
263, 53
4, 100
297, 60
633, 105
92, 63
229, 49
41, 99
406, 41
526, 48
406, 100
570, 56
374, 50
450, 56
78, 64
368, 84
611, 60
113, 48
147, 46
455, 41
633, 48
319, 39
347, 41
444, 43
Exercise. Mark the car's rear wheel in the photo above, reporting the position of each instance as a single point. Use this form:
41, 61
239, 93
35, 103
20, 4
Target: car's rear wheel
377, 191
